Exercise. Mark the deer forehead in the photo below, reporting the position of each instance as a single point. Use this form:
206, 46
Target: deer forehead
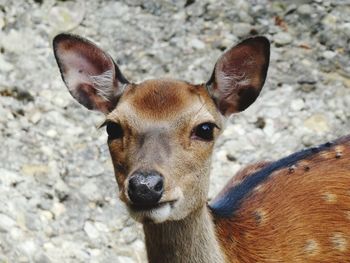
164, 102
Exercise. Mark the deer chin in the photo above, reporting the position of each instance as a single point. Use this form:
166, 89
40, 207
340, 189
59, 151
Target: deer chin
154, 214
168, 209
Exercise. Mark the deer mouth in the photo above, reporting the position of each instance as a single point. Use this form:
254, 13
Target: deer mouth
145, 208
153, 214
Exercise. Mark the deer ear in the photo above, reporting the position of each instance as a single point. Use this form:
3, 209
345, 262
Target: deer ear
239, 75
90, 74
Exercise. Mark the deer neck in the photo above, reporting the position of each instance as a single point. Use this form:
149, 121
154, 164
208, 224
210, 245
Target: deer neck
188, 240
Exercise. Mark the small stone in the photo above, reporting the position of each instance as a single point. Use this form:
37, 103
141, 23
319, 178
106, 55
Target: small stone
282, 38
22, 259
317, 123
128, 235
29, 247
51, 133
138, 245
273, 112
41, 257
9, 178
66, 16
305, 9
91, 190
32, 222
297, 104
95, 252
328, 54
196, 43
101, 227
13, 40
61, 101
16, 233
269, 129
241, 30
221, 155
5, 66
6, 222
47, 215
124, 259
35, 117
58, 209
90, 230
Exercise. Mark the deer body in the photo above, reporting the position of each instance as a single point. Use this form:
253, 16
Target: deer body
161, 135
298, 212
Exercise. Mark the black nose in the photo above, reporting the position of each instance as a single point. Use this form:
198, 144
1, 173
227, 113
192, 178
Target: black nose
145, 188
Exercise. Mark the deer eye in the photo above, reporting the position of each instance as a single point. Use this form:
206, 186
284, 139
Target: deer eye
204, 131
114, 130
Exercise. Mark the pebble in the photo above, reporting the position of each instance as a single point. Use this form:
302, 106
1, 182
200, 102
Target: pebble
6, 222
305, 9
58, 209
9, 178
328, 54
5, 66
28, 247
241, 29
35, 117
282, 38
91, 230
196, 43
317, 123
297, 104
66, 16
91, 190
123, 259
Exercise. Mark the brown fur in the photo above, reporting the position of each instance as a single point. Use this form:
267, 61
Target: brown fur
189, 240
296, 215
168, 95
154, 137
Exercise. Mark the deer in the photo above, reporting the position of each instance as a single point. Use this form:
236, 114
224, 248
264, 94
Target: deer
161, 136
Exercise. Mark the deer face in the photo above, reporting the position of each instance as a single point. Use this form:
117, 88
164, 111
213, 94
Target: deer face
161, 133
161, 136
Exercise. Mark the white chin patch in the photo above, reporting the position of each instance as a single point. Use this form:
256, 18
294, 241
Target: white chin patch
156, 215
159, 215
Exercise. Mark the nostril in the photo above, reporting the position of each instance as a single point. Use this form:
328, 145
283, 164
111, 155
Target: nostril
132, 186
159, 186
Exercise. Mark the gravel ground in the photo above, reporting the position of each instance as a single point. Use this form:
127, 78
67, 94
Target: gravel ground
58, 197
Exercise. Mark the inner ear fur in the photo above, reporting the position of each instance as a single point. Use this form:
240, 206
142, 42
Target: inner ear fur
89, 73
239, 75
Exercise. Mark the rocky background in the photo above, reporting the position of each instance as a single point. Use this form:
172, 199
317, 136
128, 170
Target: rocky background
58, 196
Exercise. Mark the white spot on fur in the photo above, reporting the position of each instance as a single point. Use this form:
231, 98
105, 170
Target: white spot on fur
339, 241
339, 148
260, 216
311, 247
329, 197
347, 214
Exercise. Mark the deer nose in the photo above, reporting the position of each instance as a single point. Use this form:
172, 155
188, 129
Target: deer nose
145, 188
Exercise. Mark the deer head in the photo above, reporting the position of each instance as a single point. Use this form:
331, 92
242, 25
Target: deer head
161, 133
